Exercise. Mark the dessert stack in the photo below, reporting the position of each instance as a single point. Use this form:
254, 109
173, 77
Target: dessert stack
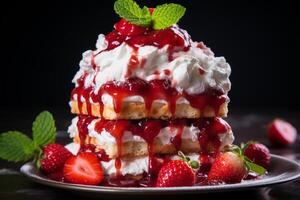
146, 93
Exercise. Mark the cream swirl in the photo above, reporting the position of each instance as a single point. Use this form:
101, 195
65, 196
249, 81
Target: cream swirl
194, 70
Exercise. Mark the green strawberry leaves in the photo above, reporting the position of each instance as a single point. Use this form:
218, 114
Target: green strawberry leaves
43, 129
162, 17
16, 146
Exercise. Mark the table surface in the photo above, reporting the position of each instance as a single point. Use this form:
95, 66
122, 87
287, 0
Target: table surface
247, 124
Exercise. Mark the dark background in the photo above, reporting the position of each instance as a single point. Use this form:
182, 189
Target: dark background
42, 43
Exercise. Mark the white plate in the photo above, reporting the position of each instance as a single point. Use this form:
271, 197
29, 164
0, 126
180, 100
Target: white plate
281, 170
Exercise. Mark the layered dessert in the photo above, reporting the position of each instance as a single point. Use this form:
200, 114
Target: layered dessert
147, 94
150, 104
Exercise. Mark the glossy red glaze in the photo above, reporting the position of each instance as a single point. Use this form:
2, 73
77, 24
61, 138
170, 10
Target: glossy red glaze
149, 91
173, 36
82, 124
149, 129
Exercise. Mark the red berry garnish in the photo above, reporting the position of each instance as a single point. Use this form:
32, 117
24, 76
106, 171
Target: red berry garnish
176, 173
84, 168
126, 28
54, 158
227, 168
281, 132
259, 154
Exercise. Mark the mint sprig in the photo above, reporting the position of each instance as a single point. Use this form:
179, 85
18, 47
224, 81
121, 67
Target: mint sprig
162, 17
43, 129
15, 146
131, 11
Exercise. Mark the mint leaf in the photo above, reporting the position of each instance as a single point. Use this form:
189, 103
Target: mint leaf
255, 168
166, 15
130, 10
15, 146
43, 129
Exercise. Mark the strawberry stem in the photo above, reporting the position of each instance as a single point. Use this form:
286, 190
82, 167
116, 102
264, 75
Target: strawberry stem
192, 163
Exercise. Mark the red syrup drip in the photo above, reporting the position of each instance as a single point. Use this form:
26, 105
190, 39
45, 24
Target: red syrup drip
178, 126
149, 91
149, 129
167, 72
93, 61
116, 128
208, 138
201, 71
212, 98
79, 90
133, 62
82, 126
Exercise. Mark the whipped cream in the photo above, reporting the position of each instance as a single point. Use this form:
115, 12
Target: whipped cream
184, 67
134, 166
73, 148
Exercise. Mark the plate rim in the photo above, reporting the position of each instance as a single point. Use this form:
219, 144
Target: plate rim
27, 167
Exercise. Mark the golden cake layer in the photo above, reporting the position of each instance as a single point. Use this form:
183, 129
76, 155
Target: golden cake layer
137, 110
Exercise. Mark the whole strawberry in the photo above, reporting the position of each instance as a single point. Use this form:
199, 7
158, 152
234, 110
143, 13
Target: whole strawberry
177, 173
228, 168
258, 153
232, 166
54, 158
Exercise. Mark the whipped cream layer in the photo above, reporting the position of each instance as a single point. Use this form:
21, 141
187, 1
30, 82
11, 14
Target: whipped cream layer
165, 135
194, 69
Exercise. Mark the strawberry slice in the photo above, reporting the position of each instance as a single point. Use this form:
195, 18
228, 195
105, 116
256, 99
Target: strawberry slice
281, 132
84, 168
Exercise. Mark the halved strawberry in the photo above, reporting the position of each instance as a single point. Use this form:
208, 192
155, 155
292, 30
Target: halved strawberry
281, 132
84, 168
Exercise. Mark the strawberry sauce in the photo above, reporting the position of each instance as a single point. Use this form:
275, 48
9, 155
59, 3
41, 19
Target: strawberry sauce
149, 129
175, 39
137, 37
149, 91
